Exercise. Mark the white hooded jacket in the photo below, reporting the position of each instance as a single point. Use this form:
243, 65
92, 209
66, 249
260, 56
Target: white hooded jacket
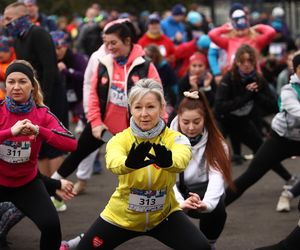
197, 171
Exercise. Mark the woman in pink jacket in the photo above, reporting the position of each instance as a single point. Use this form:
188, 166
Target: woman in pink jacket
24, 124
118, 71
231, 36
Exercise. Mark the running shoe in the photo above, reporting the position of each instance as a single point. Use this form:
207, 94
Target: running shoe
283, 204
248, 157
237, 159
59, 205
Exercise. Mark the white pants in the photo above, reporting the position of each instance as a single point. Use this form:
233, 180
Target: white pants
86, 166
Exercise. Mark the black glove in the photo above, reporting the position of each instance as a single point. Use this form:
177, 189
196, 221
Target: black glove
163, 156
137, 155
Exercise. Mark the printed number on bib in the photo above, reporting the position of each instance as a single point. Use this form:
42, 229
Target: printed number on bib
146, 200
15, 152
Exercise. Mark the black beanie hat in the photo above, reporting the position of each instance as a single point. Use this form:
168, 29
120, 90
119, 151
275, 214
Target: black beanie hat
234, 7
296, 61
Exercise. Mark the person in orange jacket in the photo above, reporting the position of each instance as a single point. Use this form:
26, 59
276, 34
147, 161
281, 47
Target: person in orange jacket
7, 55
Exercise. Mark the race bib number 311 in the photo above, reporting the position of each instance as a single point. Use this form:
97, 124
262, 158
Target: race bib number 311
146, 200
15, 152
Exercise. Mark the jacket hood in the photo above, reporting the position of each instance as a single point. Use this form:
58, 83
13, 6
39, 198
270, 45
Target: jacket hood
174, 123
295, 79
137, 51
201, 143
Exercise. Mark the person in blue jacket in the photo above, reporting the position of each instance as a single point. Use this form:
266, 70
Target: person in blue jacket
173, 26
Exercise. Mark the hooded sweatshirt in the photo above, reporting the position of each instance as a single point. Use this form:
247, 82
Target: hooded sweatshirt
198, 171
287, 122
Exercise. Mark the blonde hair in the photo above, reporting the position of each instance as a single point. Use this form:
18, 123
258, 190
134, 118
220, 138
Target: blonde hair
37, 94
143, 87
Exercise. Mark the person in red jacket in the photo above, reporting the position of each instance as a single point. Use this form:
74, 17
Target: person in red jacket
123, 65
185, 50
25, 122
154, 35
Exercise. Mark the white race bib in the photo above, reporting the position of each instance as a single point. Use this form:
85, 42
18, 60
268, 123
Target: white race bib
15, 152
117, 94
146, 200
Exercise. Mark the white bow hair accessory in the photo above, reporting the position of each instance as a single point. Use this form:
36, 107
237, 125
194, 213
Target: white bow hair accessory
192, 95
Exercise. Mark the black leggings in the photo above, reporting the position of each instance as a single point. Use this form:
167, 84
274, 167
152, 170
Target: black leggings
271, 153
176, 231
34, 201
211, 224
246, 132
295, 190
292, 241
87, 144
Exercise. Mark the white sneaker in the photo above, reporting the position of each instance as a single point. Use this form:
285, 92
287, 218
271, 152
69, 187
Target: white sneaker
248, 157
283, 204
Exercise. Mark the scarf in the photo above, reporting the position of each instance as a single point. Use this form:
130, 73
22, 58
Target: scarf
154, 132
153, 36
195, 140
121, 60
247, 78
19, 26
19, 108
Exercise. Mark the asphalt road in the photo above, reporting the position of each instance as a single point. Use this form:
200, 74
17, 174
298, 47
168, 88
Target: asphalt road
252, 220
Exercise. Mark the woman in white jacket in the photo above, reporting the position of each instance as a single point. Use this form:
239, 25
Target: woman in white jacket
200, 188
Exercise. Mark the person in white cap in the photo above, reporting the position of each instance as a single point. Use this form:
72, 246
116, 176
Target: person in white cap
231, 36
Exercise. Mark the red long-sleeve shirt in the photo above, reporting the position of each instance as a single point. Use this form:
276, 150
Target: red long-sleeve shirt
165, 44
19, 154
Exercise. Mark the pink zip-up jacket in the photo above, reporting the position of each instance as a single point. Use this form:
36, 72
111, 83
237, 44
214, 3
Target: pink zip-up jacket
116, 113
19, 154
264, 35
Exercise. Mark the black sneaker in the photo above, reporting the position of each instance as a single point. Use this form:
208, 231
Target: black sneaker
237, 159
